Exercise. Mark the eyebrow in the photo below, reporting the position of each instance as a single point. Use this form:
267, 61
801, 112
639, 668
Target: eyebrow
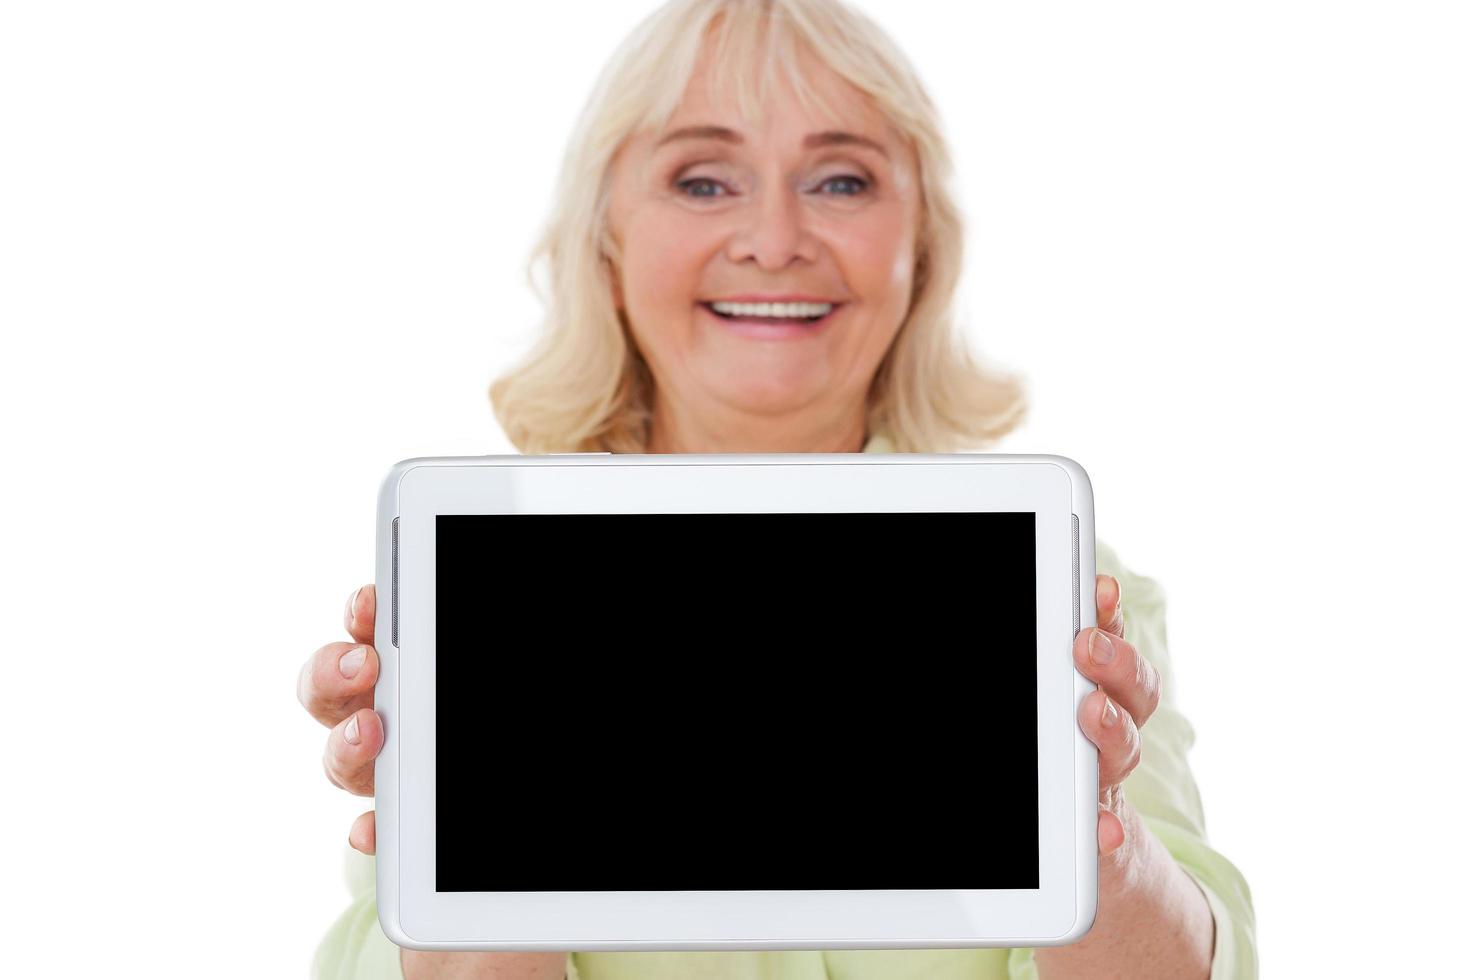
811, 141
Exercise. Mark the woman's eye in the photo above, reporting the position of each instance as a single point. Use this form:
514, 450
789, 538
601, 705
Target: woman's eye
860, 181
685, 185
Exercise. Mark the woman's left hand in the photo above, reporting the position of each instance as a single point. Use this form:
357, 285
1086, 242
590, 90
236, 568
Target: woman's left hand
1112, 716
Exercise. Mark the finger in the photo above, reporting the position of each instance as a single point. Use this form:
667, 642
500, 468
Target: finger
337, 680
1115, 665
361, 836
358, 616
1116, 735
351, 748
1109, 612
1111, 832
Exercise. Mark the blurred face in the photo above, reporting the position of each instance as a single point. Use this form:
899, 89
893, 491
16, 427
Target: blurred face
765, 273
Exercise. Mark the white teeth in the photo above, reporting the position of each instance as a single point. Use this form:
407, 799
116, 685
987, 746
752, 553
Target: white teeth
781, 310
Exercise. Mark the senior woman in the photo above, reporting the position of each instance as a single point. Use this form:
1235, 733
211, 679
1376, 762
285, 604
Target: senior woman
754, 249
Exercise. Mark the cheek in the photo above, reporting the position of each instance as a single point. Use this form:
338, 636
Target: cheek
880, 262
665, 253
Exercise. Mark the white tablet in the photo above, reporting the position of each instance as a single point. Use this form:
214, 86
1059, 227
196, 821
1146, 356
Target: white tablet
712, 701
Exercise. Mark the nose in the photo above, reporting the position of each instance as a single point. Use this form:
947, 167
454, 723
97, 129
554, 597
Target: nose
774, 230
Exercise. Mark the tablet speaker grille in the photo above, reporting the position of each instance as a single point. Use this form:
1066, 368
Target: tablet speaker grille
1076, 573
394, 588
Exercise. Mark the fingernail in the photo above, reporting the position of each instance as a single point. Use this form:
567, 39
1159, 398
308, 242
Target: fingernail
350, 663
353, 603
1101, 650
350, 730
1110, 715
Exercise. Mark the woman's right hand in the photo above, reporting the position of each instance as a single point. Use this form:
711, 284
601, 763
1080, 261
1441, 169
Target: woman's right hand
336, 688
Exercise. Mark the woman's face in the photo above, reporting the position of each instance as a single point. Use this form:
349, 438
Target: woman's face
711, 211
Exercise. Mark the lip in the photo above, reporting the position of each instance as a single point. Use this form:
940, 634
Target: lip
771, 298
771, 331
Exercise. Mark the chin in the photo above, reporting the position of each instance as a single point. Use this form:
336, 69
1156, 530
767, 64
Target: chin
768, 393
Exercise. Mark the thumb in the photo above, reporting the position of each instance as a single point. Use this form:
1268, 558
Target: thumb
1111, 832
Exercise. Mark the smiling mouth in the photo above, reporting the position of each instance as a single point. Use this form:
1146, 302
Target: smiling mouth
774, 314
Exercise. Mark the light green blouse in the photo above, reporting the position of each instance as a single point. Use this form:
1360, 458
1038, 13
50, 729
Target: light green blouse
1161, 788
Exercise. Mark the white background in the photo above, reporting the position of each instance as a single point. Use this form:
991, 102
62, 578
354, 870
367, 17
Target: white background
251, 254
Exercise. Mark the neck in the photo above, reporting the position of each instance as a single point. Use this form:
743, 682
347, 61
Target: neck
683, 433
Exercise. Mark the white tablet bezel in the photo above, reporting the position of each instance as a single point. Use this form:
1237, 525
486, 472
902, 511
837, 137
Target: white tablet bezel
413, 915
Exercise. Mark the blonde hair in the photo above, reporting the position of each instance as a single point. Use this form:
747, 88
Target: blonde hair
585, 387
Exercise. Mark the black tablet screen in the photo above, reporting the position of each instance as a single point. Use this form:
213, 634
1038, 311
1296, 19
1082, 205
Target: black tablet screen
735, 701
